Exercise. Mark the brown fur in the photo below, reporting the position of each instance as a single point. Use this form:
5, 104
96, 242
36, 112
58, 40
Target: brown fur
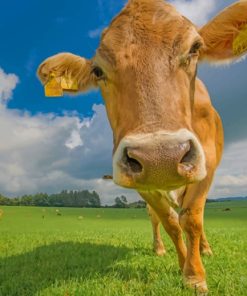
150, 85
220, 33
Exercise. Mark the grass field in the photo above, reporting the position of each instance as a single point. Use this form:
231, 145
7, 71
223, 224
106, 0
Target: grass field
108, 252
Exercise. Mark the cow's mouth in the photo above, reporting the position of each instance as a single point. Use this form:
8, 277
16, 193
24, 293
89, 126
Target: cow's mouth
173, 198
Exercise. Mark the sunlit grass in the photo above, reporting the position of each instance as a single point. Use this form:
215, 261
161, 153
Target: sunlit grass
108, 252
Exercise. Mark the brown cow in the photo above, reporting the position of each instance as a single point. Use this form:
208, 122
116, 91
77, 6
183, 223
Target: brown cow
168, 138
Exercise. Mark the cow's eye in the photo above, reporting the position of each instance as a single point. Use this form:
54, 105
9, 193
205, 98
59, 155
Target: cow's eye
98, 72
195, 48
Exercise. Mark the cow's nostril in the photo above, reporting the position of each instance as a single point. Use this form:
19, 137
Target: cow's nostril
132, 163
187, 163
189, 153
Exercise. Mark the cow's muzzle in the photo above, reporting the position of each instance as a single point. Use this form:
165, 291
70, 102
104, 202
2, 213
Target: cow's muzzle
159, 160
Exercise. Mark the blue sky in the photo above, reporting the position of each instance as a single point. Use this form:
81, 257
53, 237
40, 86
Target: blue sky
52, 144
34, 30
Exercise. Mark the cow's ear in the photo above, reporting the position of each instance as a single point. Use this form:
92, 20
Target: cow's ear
225, 36
71, 67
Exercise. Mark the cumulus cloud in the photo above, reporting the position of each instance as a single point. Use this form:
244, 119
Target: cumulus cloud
231, 177
7, 85
74, 141
198, 11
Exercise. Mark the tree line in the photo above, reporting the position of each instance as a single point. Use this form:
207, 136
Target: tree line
66, 198
82, 199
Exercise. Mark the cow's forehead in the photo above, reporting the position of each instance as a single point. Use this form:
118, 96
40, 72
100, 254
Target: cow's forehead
148, 25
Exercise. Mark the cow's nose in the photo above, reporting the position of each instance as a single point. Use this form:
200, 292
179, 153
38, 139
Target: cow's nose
180, 157
159, 161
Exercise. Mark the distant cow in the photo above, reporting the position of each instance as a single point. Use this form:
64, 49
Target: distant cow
168, 138
226, 210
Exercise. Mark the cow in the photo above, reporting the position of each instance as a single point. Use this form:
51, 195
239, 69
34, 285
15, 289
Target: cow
168, 138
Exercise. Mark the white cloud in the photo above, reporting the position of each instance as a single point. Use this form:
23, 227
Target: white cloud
234, 181
74, 141
198, 11
231, 177
95, 33
7, 85
47, 153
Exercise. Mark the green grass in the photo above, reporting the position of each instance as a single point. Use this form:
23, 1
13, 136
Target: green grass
108, 252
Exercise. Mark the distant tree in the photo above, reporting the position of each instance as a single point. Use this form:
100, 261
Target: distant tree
26, 200
14, 201
121, 202
138, 204
95, 200
3, 200
41, 200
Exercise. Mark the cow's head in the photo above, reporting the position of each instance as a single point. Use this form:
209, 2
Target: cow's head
145, 68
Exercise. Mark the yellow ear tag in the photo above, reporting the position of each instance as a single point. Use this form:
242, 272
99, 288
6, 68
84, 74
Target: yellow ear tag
240, 42
53, 87
69, 84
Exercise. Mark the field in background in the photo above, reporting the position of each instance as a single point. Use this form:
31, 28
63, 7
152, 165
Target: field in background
108, 252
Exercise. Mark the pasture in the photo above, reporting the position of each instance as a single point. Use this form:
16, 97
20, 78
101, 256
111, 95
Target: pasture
108, 252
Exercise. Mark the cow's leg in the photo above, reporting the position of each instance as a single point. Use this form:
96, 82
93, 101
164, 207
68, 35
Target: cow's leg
158, 245
191, 220
169, 219
205, 248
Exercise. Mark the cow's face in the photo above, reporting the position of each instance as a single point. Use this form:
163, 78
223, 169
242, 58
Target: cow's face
146, 67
